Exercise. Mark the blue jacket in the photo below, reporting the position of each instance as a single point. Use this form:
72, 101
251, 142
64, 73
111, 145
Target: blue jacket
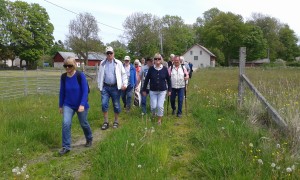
72, 94
132, 78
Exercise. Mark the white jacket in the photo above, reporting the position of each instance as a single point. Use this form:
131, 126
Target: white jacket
121, 75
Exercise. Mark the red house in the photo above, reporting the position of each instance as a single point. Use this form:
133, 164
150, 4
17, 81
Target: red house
93, 58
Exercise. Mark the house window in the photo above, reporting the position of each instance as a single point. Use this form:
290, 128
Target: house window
191, 52
200, 52
195, 57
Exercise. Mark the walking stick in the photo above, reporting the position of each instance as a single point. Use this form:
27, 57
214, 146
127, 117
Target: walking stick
185, 97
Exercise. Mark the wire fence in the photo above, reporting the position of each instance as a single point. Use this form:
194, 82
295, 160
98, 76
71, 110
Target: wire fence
20, 83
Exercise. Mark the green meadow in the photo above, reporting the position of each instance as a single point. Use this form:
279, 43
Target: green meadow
215, 140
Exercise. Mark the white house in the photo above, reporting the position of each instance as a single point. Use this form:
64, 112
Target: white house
200, 57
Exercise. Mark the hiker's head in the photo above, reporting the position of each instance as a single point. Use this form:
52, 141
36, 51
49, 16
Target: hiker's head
70, 64
176, 61
157, 59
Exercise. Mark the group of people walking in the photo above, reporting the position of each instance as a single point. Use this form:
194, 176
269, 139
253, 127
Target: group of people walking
116, 80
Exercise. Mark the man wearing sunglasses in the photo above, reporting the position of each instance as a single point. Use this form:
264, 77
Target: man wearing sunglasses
112, 78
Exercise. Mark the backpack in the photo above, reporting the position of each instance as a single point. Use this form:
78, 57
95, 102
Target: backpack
77, 73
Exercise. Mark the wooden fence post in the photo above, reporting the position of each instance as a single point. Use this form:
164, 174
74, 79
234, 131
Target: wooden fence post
242, 71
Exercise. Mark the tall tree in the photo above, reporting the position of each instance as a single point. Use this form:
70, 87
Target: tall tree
83, 35
270, 27
142, 33
224, 32
177, 36
254, 41
289, 40
31, 31
5, 51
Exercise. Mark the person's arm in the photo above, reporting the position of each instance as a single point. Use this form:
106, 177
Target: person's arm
84, 89
61, 94
124, 77
168, 78
147, 78
186, 77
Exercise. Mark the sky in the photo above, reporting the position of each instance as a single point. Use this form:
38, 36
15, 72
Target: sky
111, 14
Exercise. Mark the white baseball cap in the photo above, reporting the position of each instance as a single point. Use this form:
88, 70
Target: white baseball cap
109, 49
126, 58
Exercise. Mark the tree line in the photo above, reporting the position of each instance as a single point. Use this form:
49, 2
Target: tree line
27, 33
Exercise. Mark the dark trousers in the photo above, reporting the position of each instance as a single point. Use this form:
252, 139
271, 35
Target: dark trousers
180, 93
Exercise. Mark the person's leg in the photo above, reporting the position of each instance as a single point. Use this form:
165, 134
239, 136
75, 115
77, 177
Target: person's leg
115, 95
161, 96
153, 102
105, 104
123, 96
129, 92
68, 114
172, 100
82, 117
180, 101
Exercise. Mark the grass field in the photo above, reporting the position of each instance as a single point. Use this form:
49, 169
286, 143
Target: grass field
215, 140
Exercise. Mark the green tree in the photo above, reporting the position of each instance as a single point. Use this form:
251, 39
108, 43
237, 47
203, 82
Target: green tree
255, 42
142, 33
289, 40
83, 36
177, 36
31, 31
224, 32
270, 27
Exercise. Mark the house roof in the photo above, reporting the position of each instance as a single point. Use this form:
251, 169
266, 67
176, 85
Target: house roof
67, 54
91, 56
202, 47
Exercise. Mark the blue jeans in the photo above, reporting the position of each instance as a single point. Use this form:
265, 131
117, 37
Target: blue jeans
144, 101
177, 92
115, 94
68, 114
157, 99
127, 96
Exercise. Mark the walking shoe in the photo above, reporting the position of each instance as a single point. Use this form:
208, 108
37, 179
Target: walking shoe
179, 115
63, 151
88, 143
115, 125
173, 112
105, 126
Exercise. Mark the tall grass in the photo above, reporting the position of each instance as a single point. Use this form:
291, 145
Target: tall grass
215, 141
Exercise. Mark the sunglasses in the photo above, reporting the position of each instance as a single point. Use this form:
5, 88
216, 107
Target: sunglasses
157, 58
109, 53
68, 65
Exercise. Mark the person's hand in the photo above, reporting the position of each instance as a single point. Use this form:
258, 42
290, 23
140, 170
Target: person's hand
144, 93
186, 78
81, 108
169, 93
61, 110
123, 88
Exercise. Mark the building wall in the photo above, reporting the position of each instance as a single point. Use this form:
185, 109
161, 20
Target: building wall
93, 63
202, 55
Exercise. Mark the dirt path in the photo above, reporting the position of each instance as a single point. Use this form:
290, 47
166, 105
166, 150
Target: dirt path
77, 148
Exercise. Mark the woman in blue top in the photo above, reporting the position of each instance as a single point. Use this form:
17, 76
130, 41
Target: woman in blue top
73, 97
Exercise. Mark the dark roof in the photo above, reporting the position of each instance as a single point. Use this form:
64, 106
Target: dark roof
92, 55
202, 47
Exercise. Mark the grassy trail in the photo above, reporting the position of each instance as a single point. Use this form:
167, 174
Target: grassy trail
215, 141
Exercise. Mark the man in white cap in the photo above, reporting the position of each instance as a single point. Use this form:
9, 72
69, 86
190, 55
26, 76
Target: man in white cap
111, 79
131, 76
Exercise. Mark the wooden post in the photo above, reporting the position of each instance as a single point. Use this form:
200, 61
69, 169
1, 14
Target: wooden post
242, 71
